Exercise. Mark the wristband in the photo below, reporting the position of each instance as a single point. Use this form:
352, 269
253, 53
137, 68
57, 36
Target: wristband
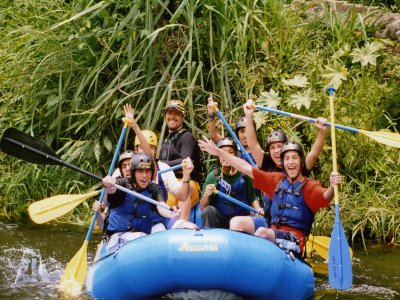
186, 181
211, 117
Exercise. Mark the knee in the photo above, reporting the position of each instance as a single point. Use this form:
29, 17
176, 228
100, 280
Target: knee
208, 210
236, 224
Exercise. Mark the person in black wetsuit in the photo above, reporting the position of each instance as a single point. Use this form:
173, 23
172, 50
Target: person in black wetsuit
178, 145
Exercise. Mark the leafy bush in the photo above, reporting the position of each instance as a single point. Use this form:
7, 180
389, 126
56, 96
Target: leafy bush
68, 67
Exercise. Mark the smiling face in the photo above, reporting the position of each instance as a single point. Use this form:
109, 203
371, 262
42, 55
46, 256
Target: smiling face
275, 153
174, 119
142, 178
241, 133
292, 164
126, 168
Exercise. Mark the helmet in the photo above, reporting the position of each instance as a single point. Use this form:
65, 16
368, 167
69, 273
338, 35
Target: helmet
226, 142
240, 124
150, 137
142, 161
276, 136
124, 155
175, 104
295, 146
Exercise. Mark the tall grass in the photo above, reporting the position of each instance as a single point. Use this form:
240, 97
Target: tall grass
67, 68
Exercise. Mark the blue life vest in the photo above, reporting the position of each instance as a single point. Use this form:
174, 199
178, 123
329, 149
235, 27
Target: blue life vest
132, 215
289, 208
237, 191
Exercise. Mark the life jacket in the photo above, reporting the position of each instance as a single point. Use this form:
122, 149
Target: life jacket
133, 214
289, 208
236, 190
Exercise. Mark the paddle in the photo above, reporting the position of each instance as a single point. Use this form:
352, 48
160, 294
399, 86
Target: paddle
13, 137
235, 138
53, 207
387, 138
240, 203
339, 263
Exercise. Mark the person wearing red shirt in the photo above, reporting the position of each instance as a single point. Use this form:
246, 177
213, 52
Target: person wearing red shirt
295, 198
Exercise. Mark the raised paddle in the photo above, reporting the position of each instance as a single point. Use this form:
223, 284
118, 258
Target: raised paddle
54, 207
23, 146
339, 264
387, 138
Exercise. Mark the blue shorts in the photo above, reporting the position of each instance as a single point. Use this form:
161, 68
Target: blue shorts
259, 222
287, 240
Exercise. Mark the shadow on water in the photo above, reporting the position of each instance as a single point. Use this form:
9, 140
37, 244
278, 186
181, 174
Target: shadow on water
33, 257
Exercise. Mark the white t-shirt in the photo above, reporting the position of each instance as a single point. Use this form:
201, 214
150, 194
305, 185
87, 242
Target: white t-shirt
171, 182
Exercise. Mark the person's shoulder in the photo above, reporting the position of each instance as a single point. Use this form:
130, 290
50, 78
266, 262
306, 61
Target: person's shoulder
188, 135
311, 183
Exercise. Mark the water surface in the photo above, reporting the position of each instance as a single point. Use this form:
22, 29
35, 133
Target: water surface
376, 274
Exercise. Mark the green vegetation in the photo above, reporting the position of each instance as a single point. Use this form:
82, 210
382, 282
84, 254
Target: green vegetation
67, 68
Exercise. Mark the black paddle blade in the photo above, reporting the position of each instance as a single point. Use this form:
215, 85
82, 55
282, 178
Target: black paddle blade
19, 144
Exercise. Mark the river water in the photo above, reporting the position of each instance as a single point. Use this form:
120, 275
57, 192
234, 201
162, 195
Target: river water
376, 274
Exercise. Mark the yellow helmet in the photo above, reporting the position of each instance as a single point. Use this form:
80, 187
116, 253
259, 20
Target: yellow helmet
150, 137
175, 104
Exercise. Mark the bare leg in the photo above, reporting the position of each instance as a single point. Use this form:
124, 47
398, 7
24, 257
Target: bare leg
242, 223
266, 233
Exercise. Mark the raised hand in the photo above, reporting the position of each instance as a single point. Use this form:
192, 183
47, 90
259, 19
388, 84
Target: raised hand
320, 123
335, 178
248, 108
211, 106
208, 146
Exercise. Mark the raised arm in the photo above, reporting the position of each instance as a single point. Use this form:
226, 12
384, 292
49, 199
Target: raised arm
252, 143
129, 114
318, 145
212, 128
236, 162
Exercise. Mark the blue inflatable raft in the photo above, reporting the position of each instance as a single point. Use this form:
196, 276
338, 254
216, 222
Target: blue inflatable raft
207, 259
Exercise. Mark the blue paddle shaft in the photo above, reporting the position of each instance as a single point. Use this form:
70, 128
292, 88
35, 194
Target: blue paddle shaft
110, 171
177, 167
311, 120
235, 138
240, 203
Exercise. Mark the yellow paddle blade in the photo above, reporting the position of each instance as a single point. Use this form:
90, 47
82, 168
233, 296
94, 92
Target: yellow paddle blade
388, 138
321, 245
320, 268
74, 276
51, 208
